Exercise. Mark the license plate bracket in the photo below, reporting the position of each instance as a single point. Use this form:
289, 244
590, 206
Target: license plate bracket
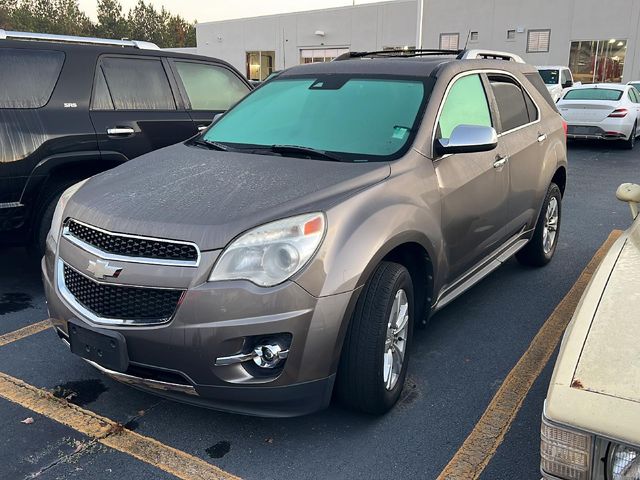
104, 347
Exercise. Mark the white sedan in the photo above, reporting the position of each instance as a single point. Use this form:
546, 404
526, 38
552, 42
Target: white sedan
602, 111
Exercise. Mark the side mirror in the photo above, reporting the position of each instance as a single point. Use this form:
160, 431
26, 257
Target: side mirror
630, 193
468, 139
217, 117
567, 84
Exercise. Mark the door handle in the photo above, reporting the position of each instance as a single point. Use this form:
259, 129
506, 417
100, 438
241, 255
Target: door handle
500, 161
120, 131
202, 128
542, 137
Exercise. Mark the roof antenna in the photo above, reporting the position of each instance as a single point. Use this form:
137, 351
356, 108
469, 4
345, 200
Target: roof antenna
468, 38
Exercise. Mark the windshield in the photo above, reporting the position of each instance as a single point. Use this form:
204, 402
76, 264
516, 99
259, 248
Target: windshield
594, 94
550, 77
353, 118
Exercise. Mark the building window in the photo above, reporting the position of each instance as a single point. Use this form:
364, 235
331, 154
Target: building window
474, 36
308, 55
538, 41
260, 65
511, 34
449, 41
595, 61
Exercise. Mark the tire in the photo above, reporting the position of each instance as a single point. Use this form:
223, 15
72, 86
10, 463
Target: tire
536, 253
42, 224
631, 141
362, 382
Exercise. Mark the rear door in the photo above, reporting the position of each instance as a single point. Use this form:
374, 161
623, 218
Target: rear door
134, 109
474, 187
524, 136
207, 89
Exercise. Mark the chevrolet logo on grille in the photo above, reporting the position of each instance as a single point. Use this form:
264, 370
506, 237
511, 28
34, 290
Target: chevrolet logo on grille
101, 269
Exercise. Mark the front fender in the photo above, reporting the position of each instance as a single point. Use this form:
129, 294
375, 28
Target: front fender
363, 229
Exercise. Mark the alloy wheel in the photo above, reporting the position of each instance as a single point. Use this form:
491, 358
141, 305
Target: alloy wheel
396, 340
550, 231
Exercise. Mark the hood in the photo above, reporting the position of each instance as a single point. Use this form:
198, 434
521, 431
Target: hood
209, 197
596, 382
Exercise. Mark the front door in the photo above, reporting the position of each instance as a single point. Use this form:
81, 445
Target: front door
134, 110
474, 187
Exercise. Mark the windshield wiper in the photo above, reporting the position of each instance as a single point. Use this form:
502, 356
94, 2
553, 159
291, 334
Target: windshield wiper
211, 145
307, 151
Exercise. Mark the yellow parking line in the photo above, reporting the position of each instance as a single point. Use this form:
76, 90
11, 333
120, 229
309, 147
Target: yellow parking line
109, 433
483, 441
24, 332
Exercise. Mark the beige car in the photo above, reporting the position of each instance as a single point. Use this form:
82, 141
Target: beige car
591, 422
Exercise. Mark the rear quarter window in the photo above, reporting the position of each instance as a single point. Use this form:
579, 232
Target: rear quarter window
536, 81
28, 77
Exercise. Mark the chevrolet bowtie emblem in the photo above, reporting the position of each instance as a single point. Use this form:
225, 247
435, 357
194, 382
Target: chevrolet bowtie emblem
101, 269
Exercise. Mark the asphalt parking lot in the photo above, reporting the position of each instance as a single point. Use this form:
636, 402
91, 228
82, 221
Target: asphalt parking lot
458, 363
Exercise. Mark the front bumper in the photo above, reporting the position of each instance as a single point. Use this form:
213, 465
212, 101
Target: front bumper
177, 359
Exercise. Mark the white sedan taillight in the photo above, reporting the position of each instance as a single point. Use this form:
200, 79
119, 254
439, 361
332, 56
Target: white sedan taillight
619, 113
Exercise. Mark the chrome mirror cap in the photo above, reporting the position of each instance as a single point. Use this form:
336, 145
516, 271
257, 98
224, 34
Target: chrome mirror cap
468, 139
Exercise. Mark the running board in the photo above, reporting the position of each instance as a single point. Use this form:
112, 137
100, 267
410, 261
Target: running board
456, 290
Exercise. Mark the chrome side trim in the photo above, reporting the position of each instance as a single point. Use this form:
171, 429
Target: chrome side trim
4, 35
11, 205
144, 382
66, 233
474, 275
87, 314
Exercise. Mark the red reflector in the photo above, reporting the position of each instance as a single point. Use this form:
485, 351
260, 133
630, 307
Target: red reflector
619, 113
565, 125
313, 226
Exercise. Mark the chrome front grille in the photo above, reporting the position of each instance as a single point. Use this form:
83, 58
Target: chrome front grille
131, 248
110, 303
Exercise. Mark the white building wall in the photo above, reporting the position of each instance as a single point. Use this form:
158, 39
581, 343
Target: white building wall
375, 26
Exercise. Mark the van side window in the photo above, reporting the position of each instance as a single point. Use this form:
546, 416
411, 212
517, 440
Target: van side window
27, 77
210, 87
138, 84
466, 104
511, 102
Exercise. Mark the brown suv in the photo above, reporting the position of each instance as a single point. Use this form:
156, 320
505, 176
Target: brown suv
295, 243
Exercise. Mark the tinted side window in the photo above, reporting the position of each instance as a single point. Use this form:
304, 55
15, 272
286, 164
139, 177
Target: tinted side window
564, 77
138, 84
511, 103
28, 77
210, 87
101, 96
535, 80
466, 104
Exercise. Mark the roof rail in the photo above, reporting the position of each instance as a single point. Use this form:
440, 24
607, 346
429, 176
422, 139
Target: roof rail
489, 55
402, 52
50, 37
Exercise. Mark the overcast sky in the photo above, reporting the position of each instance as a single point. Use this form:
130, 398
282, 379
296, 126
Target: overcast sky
209, 10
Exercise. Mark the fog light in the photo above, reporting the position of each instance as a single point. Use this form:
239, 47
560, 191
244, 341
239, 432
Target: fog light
269, 356
624, 463
564, 453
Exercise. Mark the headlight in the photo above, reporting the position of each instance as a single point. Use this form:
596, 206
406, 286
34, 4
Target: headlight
56, 222
624, 463
270, 254
565, 453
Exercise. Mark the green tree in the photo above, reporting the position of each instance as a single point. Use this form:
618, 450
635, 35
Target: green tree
111, 21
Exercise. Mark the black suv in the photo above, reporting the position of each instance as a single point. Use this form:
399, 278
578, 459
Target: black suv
72, 107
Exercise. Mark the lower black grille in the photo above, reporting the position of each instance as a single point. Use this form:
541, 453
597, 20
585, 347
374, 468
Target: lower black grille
143, 305
133, 246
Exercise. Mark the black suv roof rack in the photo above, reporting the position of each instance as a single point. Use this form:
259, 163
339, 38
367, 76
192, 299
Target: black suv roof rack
422, 52
49, 37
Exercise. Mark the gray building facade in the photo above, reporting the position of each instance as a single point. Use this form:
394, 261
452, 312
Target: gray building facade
597, 39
